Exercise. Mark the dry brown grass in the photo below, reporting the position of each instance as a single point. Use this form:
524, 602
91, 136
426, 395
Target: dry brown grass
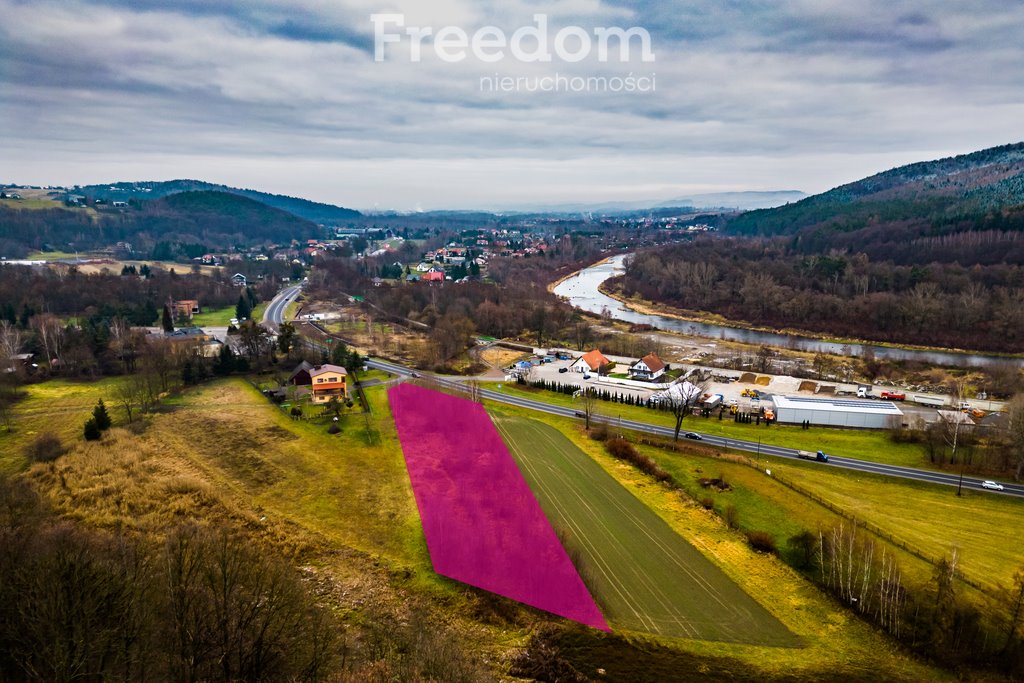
501, 357
341, 507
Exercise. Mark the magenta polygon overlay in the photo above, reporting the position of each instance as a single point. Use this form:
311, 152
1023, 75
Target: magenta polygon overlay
483, 525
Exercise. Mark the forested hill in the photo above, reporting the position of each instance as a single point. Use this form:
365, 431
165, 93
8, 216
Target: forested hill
220, 216
210, 220
303, 208
978, 192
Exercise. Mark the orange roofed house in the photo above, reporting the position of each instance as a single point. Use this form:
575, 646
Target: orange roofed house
328, 381
650, 367
590, 362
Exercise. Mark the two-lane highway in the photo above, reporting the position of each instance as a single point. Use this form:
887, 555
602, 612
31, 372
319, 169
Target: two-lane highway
274, 315
929, 476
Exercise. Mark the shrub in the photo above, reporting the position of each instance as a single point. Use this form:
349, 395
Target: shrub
334, 429
621, 449
708, 503
599, 433
296, 411
46, 447
761, 541
624, 450
732, 517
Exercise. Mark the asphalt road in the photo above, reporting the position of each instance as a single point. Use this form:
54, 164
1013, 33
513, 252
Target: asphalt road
274, 315
943, 478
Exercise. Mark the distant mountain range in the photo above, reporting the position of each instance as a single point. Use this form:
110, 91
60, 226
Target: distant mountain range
736, 201
303, 208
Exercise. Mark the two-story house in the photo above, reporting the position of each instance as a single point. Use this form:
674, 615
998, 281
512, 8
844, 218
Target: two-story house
328, 381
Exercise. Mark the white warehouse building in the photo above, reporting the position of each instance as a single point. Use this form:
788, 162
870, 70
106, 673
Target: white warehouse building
837, 412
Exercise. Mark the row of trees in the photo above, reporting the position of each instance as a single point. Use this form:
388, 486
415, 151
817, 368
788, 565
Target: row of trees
936, 620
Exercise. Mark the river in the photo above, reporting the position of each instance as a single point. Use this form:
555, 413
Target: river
581, 290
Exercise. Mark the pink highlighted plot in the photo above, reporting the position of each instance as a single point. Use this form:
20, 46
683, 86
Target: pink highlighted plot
482, 523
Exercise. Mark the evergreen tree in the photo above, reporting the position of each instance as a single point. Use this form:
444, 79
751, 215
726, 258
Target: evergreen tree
101, 417
91, 431
167, 321
243, 309
225, 362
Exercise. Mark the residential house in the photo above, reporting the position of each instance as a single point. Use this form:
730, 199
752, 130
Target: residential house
591, 361
650, 368
424, 267
189, 334
238, 279
300, 375
185, 308
434, 276
328, 381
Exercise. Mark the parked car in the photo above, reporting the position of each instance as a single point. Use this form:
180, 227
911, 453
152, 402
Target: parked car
693, 435
994, 485
586, 376
563, 370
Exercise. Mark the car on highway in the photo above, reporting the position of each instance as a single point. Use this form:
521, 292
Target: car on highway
693, 435
994, 485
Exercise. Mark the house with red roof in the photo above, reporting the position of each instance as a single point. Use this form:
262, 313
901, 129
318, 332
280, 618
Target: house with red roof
649, 368
433, 276
592, 361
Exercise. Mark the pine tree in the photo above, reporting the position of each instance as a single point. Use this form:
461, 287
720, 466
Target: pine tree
91, 431
101, 417
167, 320
242, 309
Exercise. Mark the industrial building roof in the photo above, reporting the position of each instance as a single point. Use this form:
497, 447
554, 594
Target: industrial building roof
837, 405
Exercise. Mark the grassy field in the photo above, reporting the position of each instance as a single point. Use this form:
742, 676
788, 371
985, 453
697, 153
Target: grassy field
31, 203
57, 406
872, 445
338, 507
54, 255
836, 645
221, 317
979, 526
646, 577
341, 509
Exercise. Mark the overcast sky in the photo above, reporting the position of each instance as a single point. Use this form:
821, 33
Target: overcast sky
286, 96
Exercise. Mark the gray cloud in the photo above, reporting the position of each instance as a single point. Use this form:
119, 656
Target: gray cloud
758, 95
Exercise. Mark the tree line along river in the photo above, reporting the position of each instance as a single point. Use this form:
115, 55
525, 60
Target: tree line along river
582, 290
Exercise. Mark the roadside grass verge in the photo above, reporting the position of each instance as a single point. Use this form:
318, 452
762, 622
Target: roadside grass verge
838, 645
871, 445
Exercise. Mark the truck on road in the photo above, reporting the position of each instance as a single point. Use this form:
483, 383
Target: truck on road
936, 401
807, 455
894, 396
